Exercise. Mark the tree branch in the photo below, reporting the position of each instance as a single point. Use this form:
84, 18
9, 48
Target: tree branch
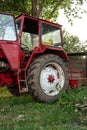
56, 6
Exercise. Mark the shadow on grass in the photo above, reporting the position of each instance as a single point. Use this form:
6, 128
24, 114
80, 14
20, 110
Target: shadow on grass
6, 96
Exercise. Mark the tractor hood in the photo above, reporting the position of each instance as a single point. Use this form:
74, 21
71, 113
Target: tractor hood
11, 52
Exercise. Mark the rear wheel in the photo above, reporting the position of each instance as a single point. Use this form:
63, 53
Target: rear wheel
46, 78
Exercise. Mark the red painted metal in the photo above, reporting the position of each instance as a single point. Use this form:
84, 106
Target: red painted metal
38, 19
2, 54
11, 51
14, 55
51, 78
7, 78
47, 49
74, 83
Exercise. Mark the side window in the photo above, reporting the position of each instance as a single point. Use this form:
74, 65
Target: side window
26, 41
30, 34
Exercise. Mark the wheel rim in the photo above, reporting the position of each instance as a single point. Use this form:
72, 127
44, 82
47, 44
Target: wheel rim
52, 79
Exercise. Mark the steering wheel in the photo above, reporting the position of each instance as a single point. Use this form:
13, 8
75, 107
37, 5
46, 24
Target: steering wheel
24, 47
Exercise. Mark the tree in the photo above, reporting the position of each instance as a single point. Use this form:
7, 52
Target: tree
73, 43
41, 8
47, 9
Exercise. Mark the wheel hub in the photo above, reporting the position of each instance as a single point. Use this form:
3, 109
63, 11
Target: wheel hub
51, 78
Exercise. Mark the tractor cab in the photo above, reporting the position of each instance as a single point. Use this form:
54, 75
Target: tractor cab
35, 32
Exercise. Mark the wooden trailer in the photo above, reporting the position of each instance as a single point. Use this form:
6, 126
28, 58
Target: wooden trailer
77, 68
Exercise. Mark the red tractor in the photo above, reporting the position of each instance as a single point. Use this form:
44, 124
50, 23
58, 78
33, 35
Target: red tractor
32, 58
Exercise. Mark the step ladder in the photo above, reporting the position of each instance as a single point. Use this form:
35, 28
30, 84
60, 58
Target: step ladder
22, 82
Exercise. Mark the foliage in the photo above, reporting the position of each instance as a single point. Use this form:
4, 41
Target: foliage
42, 8
22, 113
73, 44
49, 9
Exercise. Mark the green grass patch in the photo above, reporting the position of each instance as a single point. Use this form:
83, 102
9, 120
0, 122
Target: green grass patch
4, 92
23, 113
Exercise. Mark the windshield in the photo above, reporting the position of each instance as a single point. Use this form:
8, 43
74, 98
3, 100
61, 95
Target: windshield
51, 35
7, 28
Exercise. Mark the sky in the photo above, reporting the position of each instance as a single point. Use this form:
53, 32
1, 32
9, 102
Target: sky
79, 27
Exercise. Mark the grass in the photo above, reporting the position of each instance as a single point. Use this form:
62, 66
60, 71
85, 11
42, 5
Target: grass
23, 113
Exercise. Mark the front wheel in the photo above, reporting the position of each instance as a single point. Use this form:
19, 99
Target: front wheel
47, 76
14, 90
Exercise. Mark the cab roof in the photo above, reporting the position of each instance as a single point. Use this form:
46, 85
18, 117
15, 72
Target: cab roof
37, 19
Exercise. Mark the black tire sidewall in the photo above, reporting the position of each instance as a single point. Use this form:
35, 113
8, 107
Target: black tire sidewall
44, 60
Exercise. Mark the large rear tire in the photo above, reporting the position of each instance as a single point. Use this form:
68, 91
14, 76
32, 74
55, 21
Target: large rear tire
46, 77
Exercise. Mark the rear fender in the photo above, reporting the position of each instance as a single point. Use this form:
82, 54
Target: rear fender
46, 50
